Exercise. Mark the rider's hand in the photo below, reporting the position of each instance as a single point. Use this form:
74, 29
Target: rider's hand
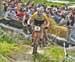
28, 25
46, 27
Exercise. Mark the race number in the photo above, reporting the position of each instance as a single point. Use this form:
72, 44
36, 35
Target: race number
37, 28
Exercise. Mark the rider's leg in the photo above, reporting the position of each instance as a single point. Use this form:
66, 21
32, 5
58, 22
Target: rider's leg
34, 36
46, 35
45, 31
40, 36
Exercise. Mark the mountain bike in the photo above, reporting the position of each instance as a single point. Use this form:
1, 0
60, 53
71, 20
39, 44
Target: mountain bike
36, 38
39, 37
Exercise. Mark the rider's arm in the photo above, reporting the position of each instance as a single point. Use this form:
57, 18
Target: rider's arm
31, 19
46, 18
24, 17
28, 22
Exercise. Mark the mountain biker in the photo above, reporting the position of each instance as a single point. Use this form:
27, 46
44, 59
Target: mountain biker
39, 18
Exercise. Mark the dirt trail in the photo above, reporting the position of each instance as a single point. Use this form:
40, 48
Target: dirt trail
23, 57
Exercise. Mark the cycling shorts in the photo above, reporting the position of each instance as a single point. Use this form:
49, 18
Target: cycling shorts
38, 23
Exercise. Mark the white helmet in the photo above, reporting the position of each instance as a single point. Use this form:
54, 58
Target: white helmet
40, 10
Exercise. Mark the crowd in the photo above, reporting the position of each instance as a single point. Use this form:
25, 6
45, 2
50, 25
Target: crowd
17, 10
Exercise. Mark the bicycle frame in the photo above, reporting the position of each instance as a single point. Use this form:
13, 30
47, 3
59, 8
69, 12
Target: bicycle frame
36, 39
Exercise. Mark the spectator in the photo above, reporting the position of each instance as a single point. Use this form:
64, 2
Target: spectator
63, 21
6, 16
56, 18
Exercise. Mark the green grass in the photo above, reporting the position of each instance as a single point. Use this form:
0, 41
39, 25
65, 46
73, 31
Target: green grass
9, 46
2, 60
56, 54
52, 54
7, 49
28, 41
40, 58
57, 4
48, 3
4, 37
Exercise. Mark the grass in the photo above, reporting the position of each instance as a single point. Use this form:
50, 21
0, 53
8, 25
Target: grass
57, 4
40, 58
8, 46
52, 54
5, 37
48, 3
7, 49
56, 54
2, 60
28, 41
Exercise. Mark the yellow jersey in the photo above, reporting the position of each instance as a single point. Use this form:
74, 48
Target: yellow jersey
39, 18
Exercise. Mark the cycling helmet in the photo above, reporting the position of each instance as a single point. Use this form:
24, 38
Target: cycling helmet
40, 10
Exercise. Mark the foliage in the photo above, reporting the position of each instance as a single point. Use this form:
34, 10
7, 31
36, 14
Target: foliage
40, 58
48, 3
8, 46
5, 38
10, 50
2, 60
55, 3
52, 54
56, 54
28, 41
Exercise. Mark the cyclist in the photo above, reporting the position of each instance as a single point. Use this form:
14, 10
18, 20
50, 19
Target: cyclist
39, 18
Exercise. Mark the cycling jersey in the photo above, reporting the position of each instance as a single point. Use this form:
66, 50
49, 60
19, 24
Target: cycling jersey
38, 19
